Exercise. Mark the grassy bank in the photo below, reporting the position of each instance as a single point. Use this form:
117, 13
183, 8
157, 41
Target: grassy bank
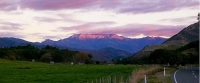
138, 75
160, 78
32, 72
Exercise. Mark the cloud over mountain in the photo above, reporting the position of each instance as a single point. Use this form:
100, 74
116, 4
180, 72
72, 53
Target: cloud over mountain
58, 19
133, 6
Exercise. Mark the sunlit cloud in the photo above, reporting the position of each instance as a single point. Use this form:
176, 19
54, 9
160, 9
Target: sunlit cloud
37, 20
131, 30
180, 20
148, 6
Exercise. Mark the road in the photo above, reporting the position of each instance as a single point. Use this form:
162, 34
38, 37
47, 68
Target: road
189, 75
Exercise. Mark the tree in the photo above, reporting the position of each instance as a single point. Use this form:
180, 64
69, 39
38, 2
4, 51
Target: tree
57, 56
46, 57
81, 57
90, 60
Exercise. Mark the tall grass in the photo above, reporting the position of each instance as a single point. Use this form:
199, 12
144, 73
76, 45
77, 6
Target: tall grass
138, 75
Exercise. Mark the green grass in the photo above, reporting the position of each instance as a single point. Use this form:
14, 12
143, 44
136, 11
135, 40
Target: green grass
37, 72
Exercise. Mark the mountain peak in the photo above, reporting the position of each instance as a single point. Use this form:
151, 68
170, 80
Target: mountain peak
48, 42
96, 36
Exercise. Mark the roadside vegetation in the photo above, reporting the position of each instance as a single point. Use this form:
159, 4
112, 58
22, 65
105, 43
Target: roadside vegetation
159, 77
138, 75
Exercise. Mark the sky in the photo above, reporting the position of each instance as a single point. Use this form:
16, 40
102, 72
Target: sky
37, 20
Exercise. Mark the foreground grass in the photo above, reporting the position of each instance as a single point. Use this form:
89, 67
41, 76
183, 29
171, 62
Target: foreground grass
160, 78
36, 72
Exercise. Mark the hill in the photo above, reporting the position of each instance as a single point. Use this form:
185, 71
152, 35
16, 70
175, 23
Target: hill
185, 36
9, 41
189, 34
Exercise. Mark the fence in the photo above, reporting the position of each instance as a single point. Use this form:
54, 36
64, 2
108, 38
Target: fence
136, 76
113, 79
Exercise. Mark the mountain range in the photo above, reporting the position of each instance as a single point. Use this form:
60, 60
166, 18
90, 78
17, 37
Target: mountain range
100, 41
101, 46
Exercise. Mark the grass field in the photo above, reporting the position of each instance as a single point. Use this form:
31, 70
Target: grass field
37, 72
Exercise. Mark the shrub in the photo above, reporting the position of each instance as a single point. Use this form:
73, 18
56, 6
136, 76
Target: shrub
12, 57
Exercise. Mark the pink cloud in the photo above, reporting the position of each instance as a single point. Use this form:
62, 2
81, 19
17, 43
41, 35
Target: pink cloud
147, 6
151, 30
69, 18
180, 20
9, 26
88, 26
6, 5
120, 6
128, 30
47, 19
63, 18
56, 4
11, 34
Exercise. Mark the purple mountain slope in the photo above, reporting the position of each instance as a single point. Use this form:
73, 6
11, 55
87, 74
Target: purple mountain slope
100, 41
101, 46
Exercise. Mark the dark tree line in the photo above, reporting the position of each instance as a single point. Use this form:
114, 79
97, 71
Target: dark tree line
187, 54
46, 54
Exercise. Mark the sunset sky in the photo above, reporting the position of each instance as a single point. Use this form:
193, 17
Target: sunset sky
37, 20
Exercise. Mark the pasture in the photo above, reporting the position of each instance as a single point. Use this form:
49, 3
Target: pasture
37, 72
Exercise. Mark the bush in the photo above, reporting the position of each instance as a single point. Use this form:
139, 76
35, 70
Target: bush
12, 57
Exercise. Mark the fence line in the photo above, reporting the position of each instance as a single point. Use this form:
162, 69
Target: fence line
135, 76
113, 79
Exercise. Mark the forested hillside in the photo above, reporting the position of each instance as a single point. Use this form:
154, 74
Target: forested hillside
187, 54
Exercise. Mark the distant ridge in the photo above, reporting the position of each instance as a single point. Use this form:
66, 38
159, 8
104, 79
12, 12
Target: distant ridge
108, 54
10, 41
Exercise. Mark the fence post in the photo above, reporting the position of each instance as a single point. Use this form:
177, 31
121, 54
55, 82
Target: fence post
145, 79
164, 71
119, 79
102, 80
110, 79
127, 80
115, 79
